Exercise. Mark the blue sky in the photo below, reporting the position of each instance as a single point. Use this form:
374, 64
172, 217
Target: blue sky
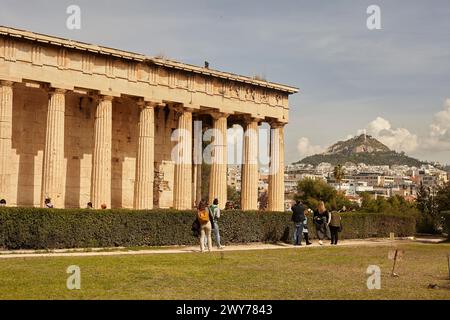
393, 82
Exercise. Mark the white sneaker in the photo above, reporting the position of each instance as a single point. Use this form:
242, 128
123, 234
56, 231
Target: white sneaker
320, 242
220, 247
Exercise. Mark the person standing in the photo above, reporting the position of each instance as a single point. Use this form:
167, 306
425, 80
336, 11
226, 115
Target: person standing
305, 227
215, 214
321, 220
298, 217
335, 227
203, 217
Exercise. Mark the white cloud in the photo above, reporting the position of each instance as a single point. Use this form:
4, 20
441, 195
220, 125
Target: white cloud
401, 139
439, 134
398, 139
305, 148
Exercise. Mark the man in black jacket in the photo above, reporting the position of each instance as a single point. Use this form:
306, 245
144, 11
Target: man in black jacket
298, 216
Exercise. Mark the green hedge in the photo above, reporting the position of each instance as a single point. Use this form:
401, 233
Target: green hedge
32, 228
446, 215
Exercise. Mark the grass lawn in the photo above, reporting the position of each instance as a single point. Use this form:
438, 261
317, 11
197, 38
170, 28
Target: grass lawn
309, 273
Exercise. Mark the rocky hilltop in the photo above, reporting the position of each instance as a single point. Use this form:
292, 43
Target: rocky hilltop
361, 149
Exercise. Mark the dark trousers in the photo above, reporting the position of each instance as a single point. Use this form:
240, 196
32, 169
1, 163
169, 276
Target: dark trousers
323, 231
306, 236
298, 232
334, 234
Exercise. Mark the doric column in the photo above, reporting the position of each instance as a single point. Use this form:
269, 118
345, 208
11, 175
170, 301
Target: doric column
143, 188
218, 175
182, 193
249, 172
101, 164
52, 172
276, 170
6, 101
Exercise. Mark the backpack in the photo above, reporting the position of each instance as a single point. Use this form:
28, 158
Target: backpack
212, 209
203, 216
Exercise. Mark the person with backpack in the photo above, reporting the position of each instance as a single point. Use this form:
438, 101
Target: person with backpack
335, 227
298, 217
215, 214
203, 217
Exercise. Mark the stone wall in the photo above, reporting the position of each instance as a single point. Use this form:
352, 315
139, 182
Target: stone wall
125, 119
165, 123
78, 147
28, 138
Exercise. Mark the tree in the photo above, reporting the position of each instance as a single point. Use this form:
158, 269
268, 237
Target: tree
311, 192
428, 220
263, 200
339, 173
367, 203
443, 198
422, 199
234, 197
393, 205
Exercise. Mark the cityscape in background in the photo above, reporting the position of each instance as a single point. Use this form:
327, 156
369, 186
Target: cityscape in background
379, 181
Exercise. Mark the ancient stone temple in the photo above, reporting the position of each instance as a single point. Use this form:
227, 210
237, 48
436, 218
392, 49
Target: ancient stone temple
82, 123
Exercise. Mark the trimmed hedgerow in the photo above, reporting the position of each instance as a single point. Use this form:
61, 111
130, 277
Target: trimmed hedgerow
35, 228
446, 215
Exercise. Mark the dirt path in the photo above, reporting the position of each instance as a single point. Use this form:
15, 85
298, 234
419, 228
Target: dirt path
192, 249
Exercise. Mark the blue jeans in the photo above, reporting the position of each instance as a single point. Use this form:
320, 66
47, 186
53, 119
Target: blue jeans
216, 234
298, 233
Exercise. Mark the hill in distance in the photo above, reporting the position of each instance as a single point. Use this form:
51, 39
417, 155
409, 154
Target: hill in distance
361, 149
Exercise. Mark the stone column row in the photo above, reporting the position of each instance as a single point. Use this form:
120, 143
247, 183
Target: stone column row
52, 178
250, 171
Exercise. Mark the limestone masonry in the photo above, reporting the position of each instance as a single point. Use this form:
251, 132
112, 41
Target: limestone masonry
82, 123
